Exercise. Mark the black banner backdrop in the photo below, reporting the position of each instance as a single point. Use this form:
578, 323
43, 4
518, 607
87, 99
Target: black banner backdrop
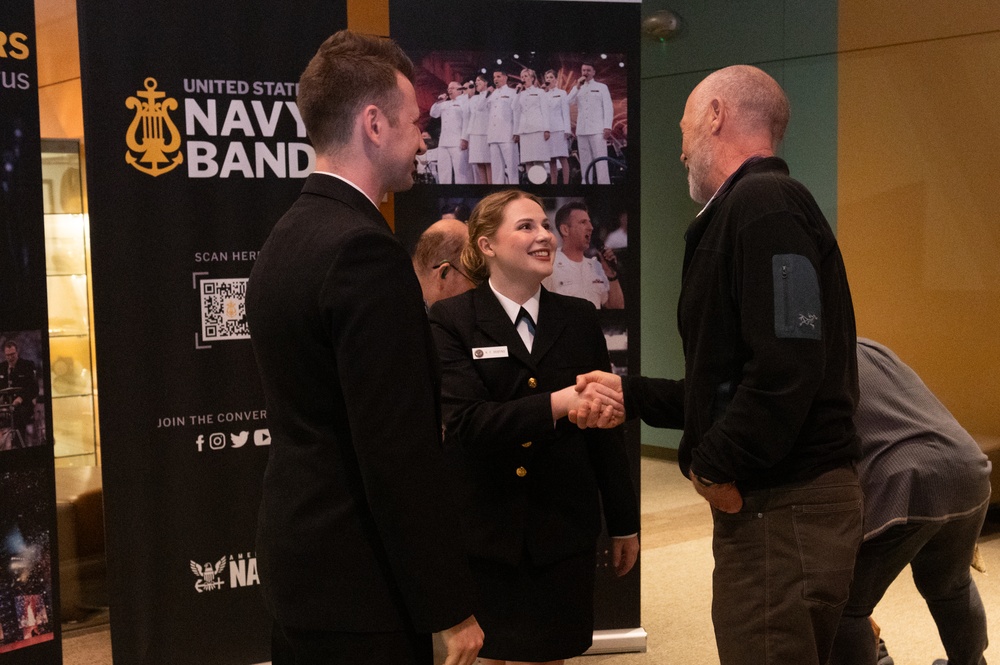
194, 150
29, 581
454, 41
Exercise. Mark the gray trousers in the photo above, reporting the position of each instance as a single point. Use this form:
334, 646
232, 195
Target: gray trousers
939, 555
783, 568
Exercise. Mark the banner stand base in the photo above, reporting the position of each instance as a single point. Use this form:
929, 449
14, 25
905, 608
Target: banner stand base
622, 640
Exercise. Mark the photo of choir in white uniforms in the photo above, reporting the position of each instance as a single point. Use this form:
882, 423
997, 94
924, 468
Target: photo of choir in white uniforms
500, 123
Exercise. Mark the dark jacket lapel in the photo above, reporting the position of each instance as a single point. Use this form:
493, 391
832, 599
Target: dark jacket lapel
492, 320
550, 325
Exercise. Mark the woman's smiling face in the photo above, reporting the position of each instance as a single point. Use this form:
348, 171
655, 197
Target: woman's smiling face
523, 248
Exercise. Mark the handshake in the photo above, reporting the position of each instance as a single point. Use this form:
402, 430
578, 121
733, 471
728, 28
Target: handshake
597, 401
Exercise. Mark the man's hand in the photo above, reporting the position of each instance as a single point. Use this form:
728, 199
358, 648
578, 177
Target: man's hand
723, 496
624, 552
463, 145
609, 261
584, 415
463, 642
606, 379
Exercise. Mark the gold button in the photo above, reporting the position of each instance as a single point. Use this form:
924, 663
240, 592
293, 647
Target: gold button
521, 472
526, 444
532, 383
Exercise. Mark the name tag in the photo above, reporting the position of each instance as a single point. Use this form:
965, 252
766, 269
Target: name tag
484, 352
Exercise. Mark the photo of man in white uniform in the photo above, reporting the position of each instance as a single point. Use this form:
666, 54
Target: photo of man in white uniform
451, 108
594, 116
500, 133
575, 274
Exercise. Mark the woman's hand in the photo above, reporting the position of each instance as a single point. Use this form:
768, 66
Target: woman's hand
585, 415
602, 404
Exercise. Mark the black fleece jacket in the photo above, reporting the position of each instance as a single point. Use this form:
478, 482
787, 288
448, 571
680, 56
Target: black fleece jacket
767, 324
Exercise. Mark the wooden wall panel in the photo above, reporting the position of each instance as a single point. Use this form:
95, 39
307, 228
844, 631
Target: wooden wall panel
874, 23
918, 202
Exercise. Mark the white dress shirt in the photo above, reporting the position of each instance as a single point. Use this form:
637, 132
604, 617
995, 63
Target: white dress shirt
513, 309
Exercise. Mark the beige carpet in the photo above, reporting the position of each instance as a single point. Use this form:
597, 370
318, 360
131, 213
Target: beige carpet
677, 586
676, 589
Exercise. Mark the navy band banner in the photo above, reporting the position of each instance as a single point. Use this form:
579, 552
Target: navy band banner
564, 77
194, 149
29, 577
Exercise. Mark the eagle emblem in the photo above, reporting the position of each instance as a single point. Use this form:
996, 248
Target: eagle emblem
208, 575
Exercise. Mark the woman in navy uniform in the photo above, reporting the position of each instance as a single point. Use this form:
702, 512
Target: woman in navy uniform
559, 128
531, 122
532, 483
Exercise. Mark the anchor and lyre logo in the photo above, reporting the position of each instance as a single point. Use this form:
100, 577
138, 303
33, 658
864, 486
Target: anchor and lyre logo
152, 133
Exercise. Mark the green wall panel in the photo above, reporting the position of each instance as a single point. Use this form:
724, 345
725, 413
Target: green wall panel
793, 40
715, 33
811, 140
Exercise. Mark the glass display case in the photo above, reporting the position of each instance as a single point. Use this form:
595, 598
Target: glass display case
71, 348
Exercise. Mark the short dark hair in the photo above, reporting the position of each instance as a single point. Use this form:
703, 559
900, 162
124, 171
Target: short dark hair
562, 215
10, 344
458, 210
349, 71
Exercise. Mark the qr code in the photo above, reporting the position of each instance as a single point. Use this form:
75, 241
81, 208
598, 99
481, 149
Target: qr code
223, 309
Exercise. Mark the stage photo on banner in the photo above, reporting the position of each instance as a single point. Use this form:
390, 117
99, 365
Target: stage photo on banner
23, 395
512, 118
26, 600
541, 96
195, 148
30, 630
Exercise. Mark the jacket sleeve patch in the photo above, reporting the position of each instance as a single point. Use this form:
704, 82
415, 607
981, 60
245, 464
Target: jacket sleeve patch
797, 304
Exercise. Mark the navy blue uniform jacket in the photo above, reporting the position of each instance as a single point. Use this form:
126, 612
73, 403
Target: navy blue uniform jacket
498, 420
356, 528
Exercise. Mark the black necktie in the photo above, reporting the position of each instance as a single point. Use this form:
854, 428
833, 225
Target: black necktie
523, 314
529, 324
